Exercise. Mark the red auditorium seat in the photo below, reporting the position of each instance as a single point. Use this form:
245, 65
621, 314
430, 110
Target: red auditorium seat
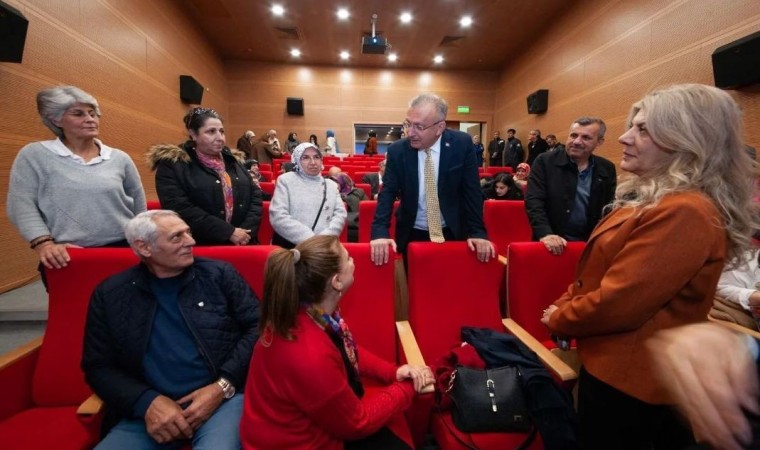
153, 204
265, 226
366, 188
357, 176
267, 187
268, 174
496, 169
506, 222
265, 166
449, 288
367, 215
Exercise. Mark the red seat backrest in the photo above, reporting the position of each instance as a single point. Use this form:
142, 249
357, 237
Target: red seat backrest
535, 279
366, 188
153, 204
267, 187
498, 169
368, 306
357, 177
268, 174
506, 221
367, 215
449, 288
265, 166
265, 227
249, 260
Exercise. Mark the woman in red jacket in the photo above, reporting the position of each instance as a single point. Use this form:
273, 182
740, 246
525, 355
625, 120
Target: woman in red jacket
304, 389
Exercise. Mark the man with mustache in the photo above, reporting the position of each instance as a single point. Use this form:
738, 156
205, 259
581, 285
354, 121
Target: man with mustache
567, 190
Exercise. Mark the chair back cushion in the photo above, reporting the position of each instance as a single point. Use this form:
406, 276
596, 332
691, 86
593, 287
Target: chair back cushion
367, 215
448, 289
249, 260
265, 227
506, 221
535, 279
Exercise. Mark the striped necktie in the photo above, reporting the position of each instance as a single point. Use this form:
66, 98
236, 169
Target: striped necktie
431, 201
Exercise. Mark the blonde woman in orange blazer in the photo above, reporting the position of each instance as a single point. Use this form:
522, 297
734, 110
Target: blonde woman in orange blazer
653, 263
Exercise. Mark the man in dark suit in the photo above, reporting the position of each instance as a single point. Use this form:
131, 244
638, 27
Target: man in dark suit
496, 150
455, 170
375, 180
568, 190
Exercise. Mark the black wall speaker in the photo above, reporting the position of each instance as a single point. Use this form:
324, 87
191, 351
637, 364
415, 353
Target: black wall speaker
190, 91
538, 102
13, 26
295, 106
738, 63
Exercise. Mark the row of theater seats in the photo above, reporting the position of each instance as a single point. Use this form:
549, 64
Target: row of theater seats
505, 220
47, 404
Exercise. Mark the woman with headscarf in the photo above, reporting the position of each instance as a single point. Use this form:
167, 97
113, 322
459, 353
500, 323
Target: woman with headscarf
304, 203
521, 176
331, 147
206, 185
73, 191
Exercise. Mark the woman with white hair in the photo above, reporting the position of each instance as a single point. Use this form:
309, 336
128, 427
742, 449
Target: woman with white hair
654, 261
73, 191
304, 203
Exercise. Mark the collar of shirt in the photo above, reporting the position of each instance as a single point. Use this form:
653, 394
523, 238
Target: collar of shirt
60, 149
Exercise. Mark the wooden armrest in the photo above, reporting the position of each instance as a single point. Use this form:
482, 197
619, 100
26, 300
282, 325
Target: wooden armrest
8, 358
503, 259
411, 349
552, 362
735, 327
91, 406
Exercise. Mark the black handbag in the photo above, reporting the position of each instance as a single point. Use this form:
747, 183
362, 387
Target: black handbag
490, 400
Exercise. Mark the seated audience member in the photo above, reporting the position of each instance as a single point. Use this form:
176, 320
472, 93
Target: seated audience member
304, 203
291, 143
682, 211
73, 191
569, 190
521, 176
304, 388
206, 185
738, 292
333, 172
287, 167
351, 196
375, 180
502, 187
712, 374
167, 343
253, 169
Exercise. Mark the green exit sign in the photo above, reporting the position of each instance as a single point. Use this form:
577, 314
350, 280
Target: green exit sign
463, 109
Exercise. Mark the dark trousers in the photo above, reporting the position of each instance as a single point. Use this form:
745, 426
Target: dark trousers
610, 419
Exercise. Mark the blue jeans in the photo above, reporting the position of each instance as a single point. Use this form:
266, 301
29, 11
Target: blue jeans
221, 431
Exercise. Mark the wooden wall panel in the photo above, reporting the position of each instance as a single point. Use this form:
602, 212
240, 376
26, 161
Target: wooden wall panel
605, 54
336, 98
129, 55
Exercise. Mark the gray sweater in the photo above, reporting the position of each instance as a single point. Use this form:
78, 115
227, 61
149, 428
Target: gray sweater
82, 204
295, 205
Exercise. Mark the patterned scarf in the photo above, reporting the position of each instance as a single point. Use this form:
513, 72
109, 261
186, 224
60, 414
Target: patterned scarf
336, 326
217, 164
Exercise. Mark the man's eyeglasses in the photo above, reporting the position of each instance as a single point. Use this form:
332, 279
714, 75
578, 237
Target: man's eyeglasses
417, 127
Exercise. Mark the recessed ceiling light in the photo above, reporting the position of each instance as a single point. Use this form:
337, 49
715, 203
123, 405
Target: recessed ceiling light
392, 57
438, 59
465, 21
344, 55
278, 10
343, 14
295, 53
405, 17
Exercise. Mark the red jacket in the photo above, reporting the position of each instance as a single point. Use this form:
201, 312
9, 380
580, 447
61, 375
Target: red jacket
297, 394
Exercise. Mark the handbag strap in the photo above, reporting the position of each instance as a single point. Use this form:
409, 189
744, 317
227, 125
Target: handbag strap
324, 198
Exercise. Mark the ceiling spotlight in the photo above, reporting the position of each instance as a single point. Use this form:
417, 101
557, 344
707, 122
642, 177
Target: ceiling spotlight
295, 53
438, 59
343, 14
405, 17
278, 10
465, 21
392, 57
344, 55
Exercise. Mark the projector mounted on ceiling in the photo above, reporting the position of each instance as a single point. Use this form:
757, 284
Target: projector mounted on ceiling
374, 45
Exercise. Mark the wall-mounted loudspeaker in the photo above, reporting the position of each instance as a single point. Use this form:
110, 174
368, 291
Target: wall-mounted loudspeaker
538, 102
13, 26
295, 106
190, 91
738, 63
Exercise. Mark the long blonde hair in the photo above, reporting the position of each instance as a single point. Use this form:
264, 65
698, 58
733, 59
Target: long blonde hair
701, 125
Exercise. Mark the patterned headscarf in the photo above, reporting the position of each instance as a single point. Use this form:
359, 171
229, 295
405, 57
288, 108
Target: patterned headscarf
526, 167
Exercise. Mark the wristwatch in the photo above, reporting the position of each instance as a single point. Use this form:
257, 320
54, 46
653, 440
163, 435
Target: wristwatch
227, 388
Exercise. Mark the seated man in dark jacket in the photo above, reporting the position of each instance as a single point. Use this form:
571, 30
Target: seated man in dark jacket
168, 342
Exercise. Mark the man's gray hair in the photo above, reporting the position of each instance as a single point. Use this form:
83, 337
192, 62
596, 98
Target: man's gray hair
587, 120
441, 107
143, 227
52, 104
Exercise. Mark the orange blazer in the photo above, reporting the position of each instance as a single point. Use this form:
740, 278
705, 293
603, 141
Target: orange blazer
642, 271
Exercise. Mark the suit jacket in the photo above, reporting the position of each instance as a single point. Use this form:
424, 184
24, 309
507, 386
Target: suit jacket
373, 179
552, 186
641, 272
459, 193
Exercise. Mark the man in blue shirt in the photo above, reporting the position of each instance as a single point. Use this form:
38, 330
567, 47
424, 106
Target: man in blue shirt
168, 342
567, 190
